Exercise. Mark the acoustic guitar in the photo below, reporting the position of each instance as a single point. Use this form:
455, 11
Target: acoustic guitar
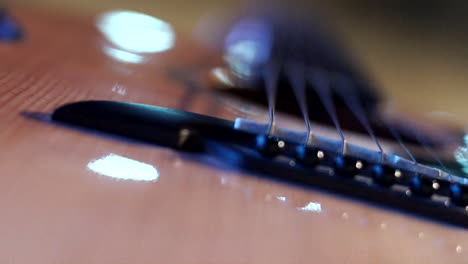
115, 150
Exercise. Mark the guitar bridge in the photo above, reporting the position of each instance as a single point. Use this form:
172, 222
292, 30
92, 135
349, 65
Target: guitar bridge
388, 180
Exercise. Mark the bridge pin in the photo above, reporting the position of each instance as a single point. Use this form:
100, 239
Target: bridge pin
459, 194
269, 145
347, 166
383, 175
308, 156
422, 186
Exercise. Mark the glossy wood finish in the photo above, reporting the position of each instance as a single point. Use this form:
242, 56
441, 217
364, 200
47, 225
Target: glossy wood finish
54, 209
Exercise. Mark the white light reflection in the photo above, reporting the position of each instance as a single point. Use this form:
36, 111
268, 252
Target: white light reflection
314, 207
281, 198
119, 167
123, 56
221, 76
119, 89
136, 32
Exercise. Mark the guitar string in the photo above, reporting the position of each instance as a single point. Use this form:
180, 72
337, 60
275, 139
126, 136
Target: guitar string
270, 77
422, 141
321, 85
397, 136
296, 74
343, 88
354, 105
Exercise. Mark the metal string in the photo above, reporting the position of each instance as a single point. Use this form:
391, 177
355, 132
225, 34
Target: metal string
422, 141
321, 85
397, 136
296, 74
271, 75
352, 101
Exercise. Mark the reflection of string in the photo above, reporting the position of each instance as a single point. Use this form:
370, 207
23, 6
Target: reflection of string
322, 87
352, 101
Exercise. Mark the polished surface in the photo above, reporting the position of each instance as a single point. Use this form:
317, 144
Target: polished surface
59, 205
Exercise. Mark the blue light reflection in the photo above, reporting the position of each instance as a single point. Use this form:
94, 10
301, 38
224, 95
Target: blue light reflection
248, 45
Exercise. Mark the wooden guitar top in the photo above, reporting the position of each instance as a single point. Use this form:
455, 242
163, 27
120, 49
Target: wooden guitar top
60, 200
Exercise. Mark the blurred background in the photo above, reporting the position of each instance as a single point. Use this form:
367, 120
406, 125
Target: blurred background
416, 51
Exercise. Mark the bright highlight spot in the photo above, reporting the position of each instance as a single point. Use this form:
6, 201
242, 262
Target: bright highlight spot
123, 56
220, 75
281, 198
119, 167
136, 32
314, 207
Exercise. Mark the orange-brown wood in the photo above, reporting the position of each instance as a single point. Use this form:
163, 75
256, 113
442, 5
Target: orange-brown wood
55, 209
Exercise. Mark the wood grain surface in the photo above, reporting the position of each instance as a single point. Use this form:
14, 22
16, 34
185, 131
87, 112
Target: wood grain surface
55, 209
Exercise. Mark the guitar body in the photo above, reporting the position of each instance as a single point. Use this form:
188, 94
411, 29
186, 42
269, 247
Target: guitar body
58, 204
